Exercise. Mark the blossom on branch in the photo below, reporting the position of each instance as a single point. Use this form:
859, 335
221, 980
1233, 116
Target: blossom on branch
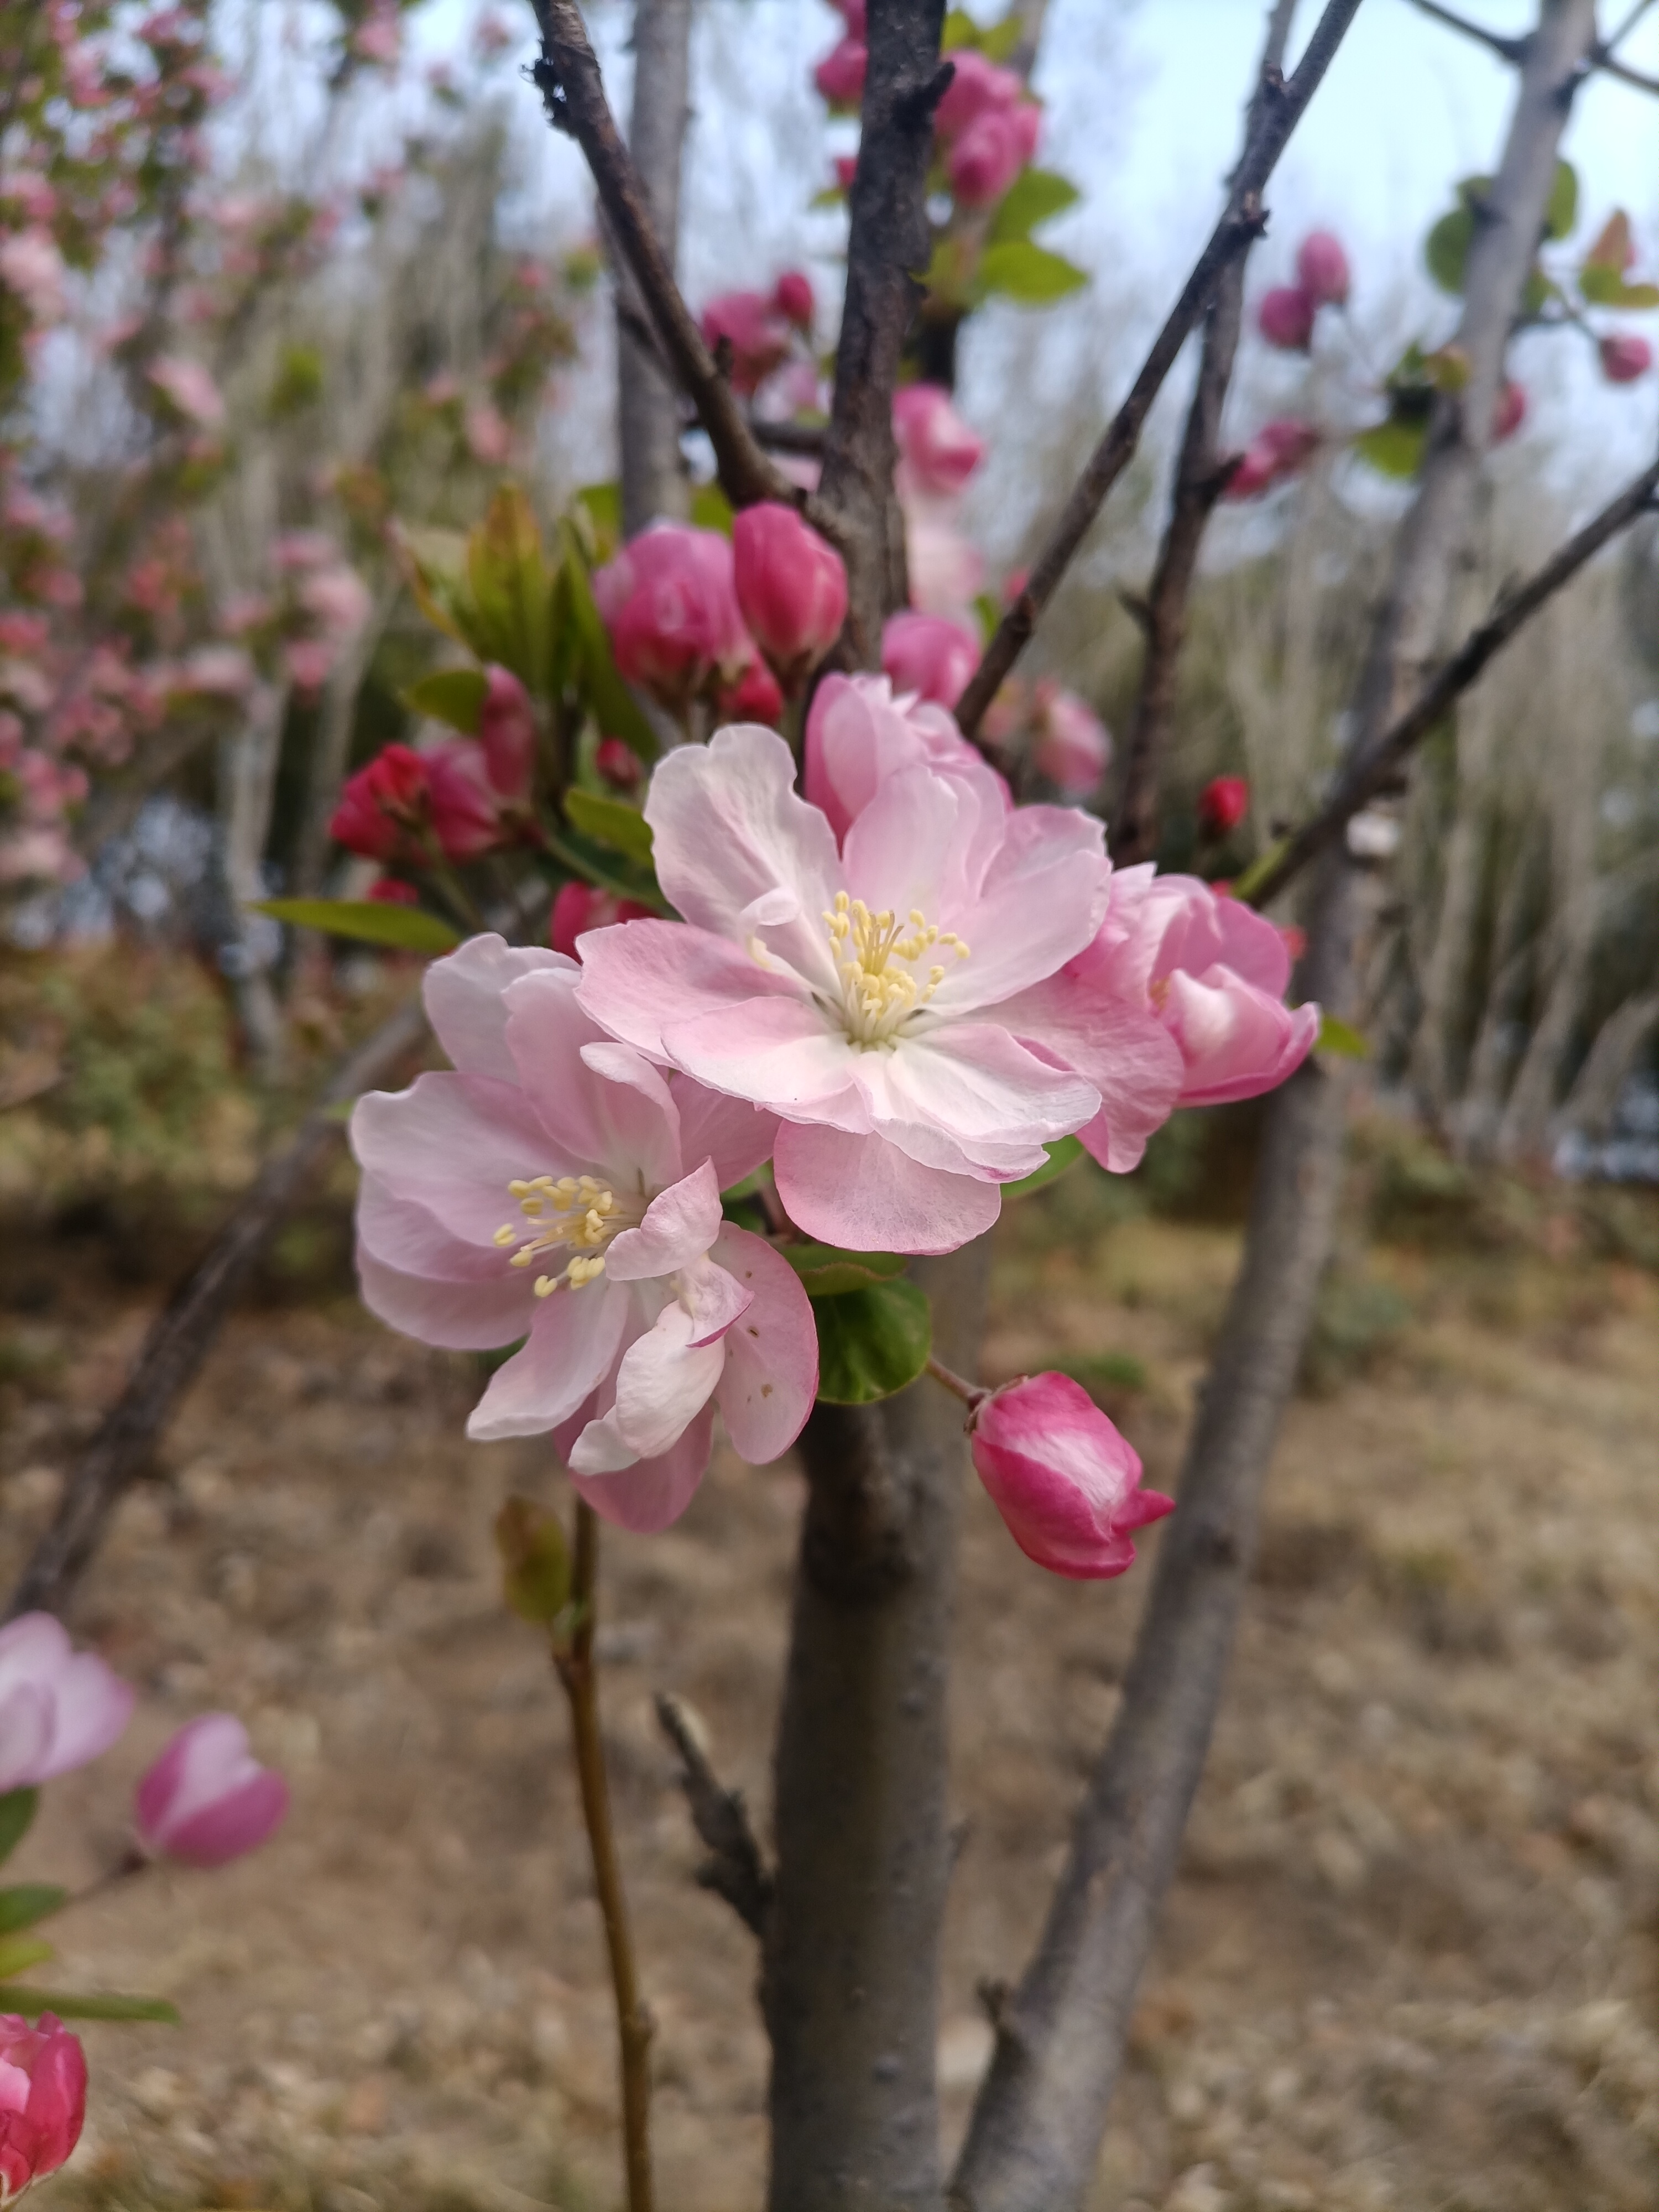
207, 1800
791, 588
59, 1708
930, 655
43, 2099
1062, 1477
669, 600
858, 734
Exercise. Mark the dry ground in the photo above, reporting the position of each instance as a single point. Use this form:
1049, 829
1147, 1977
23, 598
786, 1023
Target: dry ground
1410, 1961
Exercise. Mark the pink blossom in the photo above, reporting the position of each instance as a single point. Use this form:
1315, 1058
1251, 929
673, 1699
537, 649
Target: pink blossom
216, 671
990, 153
31, 267
840, 76
1624, 357
1072, 745
860, 995
1322, 269
1277, 450
189, 389
1285, 317
21, 632
755, 697
387, 891
293, 552
1222, 804
946, 571
578, 908
1064, 1480
978, 87
938, 450
617, 763
750, 324
489, 435
854, 13
669, 600
309, 662
59, 1708
378, 37
467, 808
844, 168
491, 34
35, 196
207, 1800
337, 599
929, 655
43, 2099
1509, 412
792, 297
791, 587
40, 856
560, 1189
858, 734
507, 732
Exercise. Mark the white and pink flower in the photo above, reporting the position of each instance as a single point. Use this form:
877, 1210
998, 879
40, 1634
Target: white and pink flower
559, 1189
858, 733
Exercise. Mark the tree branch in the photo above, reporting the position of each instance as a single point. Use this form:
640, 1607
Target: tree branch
734, 1868
1242, 221
1200, 482
1510, 50
1602, 55
647, 400
1366, 776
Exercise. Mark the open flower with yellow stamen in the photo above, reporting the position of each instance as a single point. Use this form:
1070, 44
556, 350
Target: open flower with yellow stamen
861, 993
558, 1187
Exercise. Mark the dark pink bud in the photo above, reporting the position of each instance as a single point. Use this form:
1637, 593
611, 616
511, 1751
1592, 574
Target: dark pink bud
387, 891
207, 1799
845, 168
1278, 449
793, 295
1064, 1480
840, 76
1510, 412
987, 158
669, 604
1222, 804
938, 452
754, 332
928, 655
384, 807
617, 763
792, 589
466, 812
1322, 269
755, 697
979, 86
579, 907
507, 731
1286, 317
1624, 357
43, 2099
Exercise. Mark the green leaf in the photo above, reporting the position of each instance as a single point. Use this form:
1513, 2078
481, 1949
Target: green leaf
711, 509
603, 503
1065, 1152
1340, 1037
1244, 884
1606, 287
578, 856
1033, 196
434, 562
1613, 248
1562, 212
1538, 291
829, 1272
535, 1561
95, 2006
17, 1808
19, 1952
368, 921
455, 695
508, 575
1028, 274
1446, 249
871, 1342
25, 1902
996, 41
1395, 447
610, 822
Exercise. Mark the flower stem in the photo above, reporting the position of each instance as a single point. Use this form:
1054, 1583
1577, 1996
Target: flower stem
634, 2022
970, 1393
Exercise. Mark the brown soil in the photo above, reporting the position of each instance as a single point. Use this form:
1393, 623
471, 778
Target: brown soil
1410, 1961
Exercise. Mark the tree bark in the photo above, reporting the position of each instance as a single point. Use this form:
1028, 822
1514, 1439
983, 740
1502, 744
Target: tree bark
647, 400
851, 1976
1037, 2123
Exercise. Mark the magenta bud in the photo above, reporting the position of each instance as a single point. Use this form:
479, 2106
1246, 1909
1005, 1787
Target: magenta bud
1285, 317
840, 76
928, 655
43, 2099
507, 731
1509, 412
578, 908
792, 589
618, 764
1322, 269
988, 155
938, 450
1624, 357
207, 1800
792, 295
1062, 1477
755, 334
1222, 804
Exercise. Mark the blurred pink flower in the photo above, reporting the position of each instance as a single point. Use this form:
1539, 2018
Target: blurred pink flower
990, 153
791, 588
1285, 317
489, 435
938, 450
337, 599
43, 2099
507, 732
31, 267
858, 734
840, 76
59, 1708
1071, 746
946, 570
978, 88
1065, 1480
1222, 804
669, 600
1625, 356
1322, 269
750, 323
578, 908
793, 297
207, 1800
189, 389
929, 655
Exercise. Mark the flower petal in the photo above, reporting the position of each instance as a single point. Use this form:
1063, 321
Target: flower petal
1121, 1048
863, 1194
464, 1001
983, 1089
771, 1373
26, 1712
91, 1707
663, 1383
452, 1143
637, 976
735, 1136
713, 1299
403, 1234
1041, 902
652, 1493
680, 1225
781, 1053
455, 1316
621, 1120
572, 1341
1237, 1041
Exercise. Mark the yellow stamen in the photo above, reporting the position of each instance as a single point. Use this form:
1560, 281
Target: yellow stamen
874, 966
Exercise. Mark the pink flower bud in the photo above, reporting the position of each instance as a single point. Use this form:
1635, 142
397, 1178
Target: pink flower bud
1322, 269
1285, 317
670, 603
59, 1708
938, 452
755, 697
845, 167
507, 731
309, 661
1624, 357
385, 806
578, 908
1222, 804
979, 86
987, 158
792, 589
750, 324
1073, 746
928, 656
43, 2099
387, 891
854, 13
207, 1799
840, 76
1278, 449
793, 297
1509, 412
466, 810
618, 764
1064, 1480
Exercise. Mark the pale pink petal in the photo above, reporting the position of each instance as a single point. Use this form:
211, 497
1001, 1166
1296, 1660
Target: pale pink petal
638, 976
455, 1316
403, 1234
711, 1298
680, 1224
650, 1495
729, 827
974, 1082
907, 847
866, 1195
735, 1136
454, 1143
464, 1002
663, 1383
572, 1341
1252, 946
622, 1123
1237, 1041
1121, 1048
91, 1707
25, 1733
771, 1373
1043, 899
780, 1053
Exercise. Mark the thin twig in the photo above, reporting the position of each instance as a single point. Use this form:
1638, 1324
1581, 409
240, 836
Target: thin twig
634, 2023
734, 1868
1509, 49
1365, 777
1240, 220
804, 438
1602, 55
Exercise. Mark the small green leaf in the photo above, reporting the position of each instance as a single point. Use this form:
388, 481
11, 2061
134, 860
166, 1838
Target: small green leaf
610, 822
711, 509
1340, 1037
535, 1561
1395, 447
1028, 274
1562, 212
996, 41
1613, 248
1035, 195
1244, 884
17, 1808
829, 1272
1065, 1152
25, 1902
1446, 249
1606, 287
871, 1342
1537, 291
368, 921
19, 1952
603, 503
455, 695
97, 2006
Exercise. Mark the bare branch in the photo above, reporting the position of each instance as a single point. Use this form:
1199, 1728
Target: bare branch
1510, 50
1241, 222
1602, 56
734, 1868
1608, 63
1371, 773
